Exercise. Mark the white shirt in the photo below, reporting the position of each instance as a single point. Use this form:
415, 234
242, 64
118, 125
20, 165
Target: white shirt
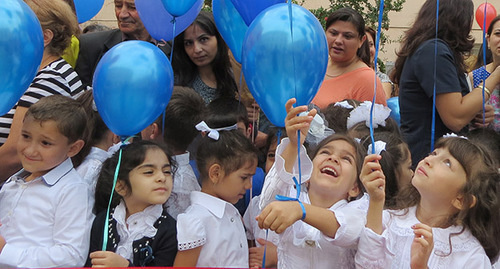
137, 226
46, 222
185, 182
90, 168
302, 245
392, 248
252, 228
215, 225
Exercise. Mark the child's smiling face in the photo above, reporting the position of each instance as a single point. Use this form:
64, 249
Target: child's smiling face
334, 171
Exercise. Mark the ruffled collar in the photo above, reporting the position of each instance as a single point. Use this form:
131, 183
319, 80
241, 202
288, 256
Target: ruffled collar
137, 226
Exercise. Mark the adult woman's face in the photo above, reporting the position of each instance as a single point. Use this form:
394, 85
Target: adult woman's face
494, 40
371, 44
200, 46
343, 41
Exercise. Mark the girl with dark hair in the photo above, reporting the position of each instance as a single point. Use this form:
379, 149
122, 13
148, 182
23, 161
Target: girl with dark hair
482, 71
348, 75
447, 218
321, 228
211, 231
419, 68
395, 163
141, 232
201, 60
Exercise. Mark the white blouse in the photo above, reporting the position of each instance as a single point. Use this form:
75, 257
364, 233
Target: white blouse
301, 245
185, 182
252, 227
215, 225
392, 248
135, 227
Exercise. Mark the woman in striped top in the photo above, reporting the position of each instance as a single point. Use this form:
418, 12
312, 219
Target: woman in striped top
55, 76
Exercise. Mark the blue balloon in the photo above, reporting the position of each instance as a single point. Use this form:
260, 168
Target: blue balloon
278, 68
230, 25
393, 104
159, 22
249, 9
133, 83
21, 50
178, 7
87, 9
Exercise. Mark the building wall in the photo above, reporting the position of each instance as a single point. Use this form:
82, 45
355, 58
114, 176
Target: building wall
399, 22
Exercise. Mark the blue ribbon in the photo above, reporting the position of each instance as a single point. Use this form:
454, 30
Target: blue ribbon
377, 42
115, 178
433, 124
484, 58
173, 38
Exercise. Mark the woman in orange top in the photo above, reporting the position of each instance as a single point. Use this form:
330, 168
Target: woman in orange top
348, 75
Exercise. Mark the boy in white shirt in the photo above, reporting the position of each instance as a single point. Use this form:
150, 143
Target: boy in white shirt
184, 110
45, 212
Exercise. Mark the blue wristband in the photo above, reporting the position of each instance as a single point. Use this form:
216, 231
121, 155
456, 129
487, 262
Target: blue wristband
303, 210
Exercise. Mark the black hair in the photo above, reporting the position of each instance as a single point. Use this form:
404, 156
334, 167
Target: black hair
348, 14
395, 153
455, 23
131, 156
226, 111
184, 110
231, 151
186, 71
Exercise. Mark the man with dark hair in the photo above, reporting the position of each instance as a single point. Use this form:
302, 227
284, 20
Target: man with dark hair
94, 45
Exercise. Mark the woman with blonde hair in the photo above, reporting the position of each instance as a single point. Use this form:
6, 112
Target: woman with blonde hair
55, 76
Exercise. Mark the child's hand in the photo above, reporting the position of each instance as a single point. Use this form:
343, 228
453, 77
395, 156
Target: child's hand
422, 246
2, 242
294, 123
279, 215
107, 259
373, 178
256, 254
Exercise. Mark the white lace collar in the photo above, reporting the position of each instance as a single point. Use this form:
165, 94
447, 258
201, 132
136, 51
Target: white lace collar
137, 226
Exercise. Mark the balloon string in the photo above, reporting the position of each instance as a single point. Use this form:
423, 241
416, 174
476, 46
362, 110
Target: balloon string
115, 178
377, 42
293, 54
433, 124
265, 250
173, 39
484, 59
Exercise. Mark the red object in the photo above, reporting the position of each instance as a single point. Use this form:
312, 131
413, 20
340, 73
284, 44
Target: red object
490, 14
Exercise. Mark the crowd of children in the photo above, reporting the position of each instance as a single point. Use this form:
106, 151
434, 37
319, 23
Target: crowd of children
335, 207
193, 190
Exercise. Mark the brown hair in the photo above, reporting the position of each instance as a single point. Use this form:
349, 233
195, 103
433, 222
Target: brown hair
57, 16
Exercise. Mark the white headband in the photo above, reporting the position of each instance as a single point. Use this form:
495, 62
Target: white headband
213, 133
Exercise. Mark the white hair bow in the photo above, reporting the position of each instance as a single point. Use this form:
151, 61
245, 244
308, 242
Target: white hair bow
213, 133
379, 147
362, 114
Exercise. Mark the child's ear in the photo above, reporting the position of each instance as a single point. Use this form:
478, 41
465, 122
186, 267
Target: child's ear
156, 132
215, 173
458, 202
354, 191
75, 147
121, 188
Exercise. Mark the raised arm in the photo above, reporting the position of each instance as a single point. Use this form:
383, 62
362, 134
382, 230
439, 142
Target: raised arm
373, 179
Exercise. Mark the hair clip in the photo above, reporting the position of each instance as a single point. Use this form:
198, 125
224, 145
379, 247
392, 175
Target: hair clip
454, 135
213, 133
317, 130
344, 104
362, 114
379, 147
